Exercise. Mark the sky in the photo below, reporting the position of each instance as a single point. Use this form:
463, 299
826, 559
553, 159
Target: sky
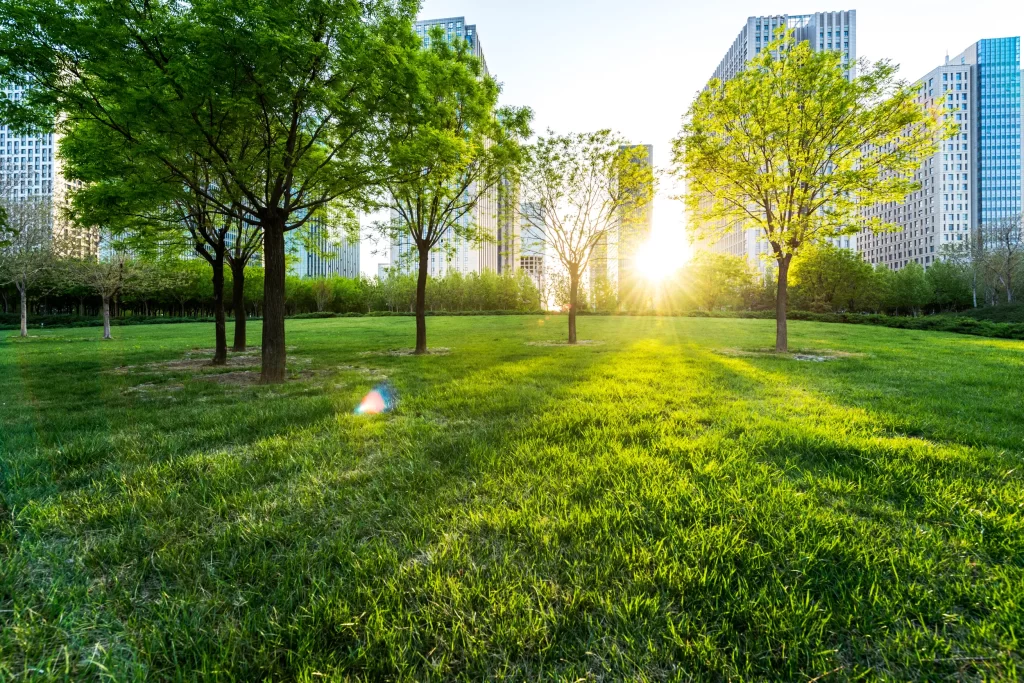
635, 65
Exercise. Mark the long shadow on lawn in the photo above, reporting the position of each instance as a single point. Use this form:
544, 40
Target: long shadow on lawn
221, 560
927, 530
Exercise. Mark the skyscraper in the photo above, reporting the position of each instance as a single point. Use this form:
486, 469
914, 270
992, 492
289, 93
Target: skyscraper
975, 178
30, 169
454, 253
823, 31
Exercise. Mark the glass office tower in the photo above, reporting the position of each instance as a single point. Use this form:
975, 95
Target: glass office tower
998, 127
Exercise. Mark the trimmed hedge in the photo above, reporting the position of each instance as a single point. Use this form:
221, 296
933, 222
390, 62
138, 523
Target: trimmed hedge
932, 323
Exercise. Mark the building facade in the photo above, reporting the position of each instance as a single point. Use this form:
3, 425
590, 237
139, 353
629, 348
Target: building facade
321, 249
614, 258
454, 253
974, 179
836, 31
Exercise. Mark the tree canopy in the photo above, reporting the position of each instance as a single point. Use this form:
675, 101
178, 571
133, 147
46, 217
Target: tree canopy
794, 148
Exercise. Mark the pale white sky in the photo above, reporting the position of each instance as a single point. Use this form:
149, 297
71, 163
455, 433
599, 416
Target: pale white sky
634, 65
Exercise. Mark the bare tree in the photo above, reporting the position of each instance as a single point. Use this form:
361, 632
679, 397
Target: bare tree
27, 243
1004, 244
577, 190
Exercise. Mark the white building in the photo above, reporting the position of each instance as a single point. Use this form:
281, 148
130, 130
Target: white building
824, 31
453, 253
975, 177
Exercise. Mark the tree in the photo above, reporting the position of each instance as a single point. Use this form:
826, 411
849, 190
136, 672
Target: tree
1004, 243
970, 255
148, 207
108, 276
245, 241
456, 151
794, 148
911, 289
717, 280
27, 253
288, 103
580, 188
951, 285
829, 278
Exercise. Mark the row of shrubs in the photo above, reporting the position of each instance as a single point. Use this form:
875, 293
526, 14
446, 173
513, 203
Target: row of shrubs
935, 323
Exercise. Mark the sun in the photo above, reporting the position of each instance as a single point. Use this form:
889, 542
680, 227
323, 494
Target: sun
658, 259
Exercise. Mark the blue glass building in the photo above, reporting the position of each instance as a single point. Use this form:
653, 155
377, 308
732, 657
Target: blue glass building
998, 129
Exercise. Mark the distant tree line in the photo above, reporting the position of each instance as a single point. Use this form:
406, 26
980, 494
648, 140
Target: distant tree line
184, 289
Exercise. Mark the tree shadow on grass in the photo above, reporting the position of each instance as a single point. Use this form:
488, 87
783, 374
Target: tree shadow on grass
215, 559
926, 539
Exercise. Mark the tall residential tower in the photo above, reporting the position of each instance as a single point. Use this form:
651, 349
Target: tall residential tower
974, 179
454, 253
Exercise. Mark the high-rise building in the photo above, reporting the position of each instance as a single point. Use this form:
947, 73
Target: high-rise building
30, 168
532, 246
454, 253
322, 249
974, 179
823, 31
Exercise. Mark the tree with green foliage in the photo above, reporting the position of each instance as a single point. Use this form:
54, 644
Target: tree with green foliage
1004, 242
289, 103
457, 151
714, 281
794, 148
951, 285
580, 188
109, 276
28, 253
911, 290
829, 278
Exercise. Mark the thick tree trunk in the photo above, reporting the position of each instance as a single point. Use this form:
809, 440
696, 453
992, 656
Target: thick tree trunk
274, 354
781, 301
421, 302
574, 292
220, 349
238, 305
106, 317
23, 292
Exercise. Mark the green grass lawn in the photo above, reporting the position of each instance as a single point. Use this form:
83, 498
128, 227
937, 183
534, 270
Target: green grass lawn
663, 504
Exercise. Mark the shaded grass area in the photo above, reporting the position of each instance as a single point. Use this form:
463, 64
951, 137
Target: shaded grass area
656, 506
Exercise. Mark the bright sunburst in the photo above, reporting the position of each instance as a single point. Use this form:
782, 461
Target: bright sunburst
659, 258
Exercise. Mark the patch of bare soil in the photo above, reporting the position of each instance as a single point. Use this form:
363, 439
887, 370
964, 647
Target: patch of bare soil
236, 378
154, 388
438, 351
199, 360
804, 355
553, 342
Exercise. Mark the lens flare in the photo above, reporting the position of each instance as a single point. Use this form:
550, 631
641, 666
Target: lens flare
382, 399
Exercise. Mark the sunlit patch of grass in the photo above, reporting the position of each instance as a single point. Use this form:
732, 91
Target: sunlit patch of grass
655, 506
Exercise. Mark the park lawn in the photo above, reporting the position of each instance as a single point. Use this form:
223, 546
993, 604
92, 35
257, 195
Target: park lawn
665, 503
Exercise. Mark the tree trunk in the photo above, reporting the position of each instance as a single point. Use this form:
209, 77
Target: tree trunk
574, 291
23, 292
421, 302
781, 300
238, 304
274, 354
106, 317
220, 349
